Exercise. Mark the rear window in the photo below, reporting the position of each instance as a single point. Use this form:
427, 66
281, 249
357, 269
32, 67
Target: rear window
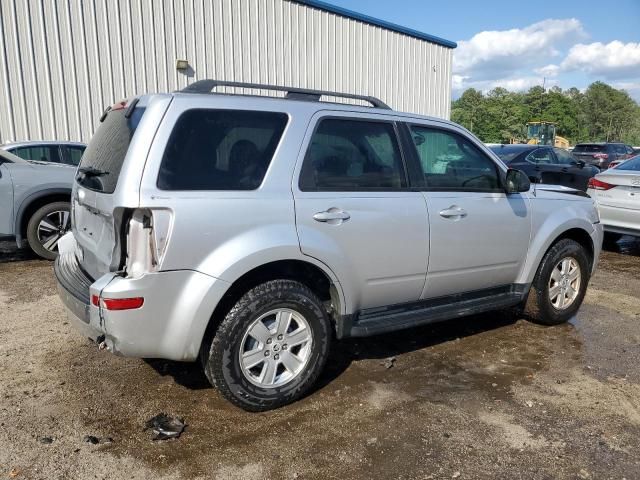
631, 164
590, 148
507, 153
102, 160
220, 150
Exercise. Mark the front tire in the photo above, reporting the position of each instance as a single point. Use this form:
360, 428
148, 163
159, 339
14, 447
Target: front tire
45, 228
560, 284
270, 348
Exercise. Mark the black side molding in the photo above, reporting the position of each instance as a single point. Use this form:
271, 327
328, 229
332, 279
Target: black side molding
373, 321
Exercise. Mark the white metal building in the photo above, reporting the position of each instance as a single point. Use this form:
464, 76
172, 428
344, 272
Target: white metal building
62, 62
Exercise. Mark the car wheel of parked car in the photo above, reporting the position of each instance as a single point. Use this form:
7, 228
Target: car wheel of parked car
271, 346
560, 284
46, 226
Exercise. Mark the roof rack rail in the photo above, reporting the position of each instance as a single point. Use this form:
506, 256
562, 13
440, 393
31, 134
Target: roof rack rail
294, 93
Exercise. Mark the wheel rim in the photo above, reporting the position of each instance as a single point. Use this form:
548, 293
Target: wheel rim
275, 348
564, 284
51, 229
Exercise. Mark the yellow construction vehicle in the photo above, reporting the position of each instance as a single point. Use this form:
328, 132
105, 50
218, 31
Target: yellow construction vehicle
544, 133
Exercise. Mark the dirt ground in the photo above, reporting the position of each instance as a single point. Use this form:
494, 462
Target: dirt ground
488, 396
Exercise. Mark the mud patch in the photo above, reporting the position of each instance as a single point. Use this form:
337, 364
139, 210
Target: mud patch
516, 436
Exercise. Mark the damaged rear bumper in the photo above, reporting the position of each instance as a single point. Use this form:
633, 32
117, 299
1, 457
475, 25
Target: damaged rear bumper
170, 324
74, 290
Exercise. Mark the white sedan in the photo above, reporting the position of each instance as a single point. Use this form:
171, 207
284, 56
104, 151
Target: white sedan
617, 193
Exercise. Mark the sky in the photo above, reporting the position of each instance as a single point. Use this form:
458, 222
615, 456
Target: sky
517, 45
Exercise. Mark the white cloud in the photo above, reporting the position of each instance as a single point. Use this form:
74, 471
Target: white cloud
611, 60
632, 88
513, 84
498, 53
550, 70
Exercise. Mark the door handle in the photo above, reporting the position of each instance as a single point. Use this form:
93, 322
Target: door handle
333, 216
453, 212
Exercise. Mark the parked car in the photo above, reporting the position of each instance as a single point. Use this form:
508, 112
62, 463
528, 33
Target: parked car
544, 164
34, 202
615, 163
617, 193
68, 153
601, 154
257, 229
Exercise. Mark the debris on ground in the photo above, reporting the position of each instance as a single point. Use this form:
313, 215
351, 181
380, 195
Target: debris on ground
389, 362
14, 472
46, 440
165, 427
93, 440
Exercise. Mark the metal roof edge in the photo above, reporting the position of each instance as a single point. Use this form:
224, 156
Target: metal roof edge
376, 22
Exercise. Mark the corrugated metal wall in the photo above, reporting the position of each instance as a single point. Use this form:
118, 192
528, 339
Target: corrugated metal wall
63, 61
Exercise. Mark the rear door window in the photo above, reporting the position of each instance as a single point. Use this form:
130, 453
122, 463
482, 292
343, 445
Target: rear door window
541, 156
353, 155
102, 160
73, 154
40, 153
220, 150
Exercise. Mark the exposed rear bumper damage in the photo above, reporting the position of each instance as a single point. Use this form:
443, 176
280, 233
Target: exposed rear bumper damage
170, 324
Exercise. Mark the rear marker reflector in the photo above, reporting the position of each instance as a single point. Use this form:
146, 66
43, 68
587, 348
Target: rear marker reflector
117, 303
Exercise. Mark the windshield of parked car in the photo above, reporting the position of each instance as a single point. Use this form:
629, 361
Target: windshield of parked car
102, 160
631, 164
507, 152
590, 148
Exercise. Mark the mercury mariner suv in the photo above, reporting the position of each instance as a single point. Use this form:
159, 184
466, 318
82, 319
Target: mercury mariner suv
250, 231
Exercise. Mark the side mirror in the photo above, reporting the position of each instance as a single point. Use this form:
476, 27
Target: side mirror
579, 163
517, 181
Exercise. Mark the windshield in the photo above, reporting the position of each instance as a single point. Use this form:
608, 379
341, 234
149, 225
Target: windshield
102, 160
631, 164
589, 148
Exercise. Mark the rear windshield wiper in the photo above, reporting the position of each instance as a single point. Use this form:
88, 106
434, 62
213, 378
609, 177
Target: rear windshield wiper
92, 172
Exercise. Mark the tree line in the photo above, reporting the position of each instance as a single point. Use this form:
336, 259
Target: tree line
602, 113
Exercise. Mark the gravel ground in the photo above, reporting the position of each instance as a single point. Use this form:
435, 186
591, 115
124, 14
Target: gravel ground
488, 396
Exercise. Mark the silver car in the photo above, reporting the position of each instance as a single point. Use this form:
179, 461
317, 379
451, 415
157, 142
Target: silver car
68, 153
248, 232
35, 202
617, 193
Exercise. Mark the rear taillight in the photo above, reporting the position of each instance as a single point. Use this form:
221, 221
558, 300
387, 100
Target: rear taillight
117, 303
601, 156
596, 184
147, 235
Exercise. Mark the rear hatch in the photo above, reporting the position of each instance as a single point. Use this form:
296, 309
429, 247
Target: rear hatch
592, 153
101, 199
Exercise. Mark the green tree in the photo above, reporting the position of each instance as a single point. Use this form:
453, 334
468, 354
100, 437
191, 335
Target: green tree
602, 113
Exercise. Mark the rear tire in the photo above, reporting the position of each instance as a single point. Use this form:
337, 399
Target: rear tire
46, 226
560, 284
270, 348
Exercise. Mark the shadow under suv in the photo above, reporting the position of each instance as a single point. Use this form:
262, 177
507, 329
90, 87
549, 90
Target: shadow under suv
249, 232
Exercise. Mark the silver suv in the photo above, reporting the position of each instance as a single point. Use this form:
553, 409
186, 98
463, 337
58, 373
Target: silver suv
34, 202
249, 231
